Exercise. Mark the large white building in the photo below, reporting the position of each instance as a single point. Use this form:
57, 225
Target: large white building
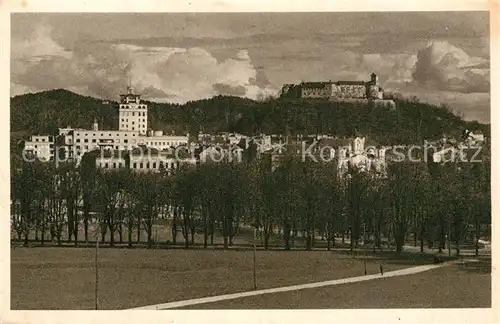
132, 132
41, 146
154, 161
143, 160
80, 141
157, 140
111, 160
133, 113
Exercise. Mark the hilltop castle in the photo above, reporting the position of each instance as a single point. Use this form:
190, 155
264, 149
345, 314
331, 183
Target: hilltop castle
338, 90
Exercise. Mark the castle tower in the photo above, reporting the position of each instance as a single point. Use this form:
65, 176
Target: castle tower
133, 114
95, 126
373, 89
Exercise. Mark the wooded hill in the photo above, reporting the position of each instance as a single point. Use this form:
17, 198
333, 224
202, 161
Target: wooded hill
409, 122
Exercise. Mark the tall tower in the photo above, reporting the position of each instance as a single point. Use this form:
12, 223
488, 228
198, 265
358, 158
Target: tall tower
95, 126
373, 90
133, 113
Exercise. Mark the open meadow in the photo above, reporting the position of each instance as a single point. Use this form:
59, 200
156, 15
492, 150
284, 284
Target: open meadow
64, 277
454, 286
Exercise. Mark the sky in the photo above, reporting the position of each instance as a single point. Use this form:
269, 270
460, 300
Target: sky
440, 57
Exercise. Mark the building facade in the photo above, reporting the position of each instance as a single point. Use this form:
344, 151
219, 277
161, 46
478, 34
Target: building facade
157, 140
41, 146
132, 132
339, 90
344, 154
133, 114
142, 160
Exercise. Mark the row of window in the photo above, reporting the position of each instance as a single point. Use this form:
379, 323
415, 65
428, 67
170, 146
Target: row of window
125, 126
153, 165
126, 113
94, 141
42, 139
102, 134
126, 120
44, 146
86, 147
106, 165
164, 143
136, 165
40, 151
129, 107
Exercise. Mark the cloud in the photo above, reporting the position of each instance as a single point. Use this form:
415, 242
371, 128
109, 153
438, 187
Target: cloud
181, 71
261, 80
349, 65
155, 94
224, 89
19, 89
446, 67
243, 55
38, 46
161, 73
472, 106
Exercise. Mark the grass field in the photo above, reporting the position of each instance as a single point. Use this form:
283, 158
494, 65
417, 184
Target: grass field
447, 287
64, 278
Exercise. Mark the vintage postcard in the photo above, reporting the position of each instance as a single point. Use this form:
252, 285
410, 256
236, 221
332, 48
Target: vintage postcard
230, 156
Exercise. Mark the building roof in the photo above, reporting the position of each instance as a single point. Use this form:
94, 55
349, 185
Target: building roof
322, 84
350, 82
319, 85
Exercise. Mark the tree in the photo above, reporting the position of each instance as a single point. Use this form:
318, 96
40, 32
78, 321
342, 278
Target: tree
89, 190
147, 193
403, 180
357, 184
57, 202
130, 205
73, 199
186, 186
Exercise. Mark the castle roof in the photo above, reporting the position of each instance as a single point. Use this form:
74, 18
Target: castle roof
323, 84
319, 85
351, 82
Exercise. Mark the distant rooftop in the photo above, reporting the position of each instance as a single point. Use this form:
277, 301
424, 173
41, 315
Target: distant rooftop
350, 82
315, 84
322, 84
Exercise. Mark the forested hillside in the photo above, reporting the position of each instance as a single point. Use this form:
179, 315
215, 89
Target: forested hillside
410, 122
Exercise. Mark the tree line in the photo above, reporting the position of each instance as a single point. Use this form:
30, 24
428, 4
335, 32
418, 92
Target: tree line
298, 200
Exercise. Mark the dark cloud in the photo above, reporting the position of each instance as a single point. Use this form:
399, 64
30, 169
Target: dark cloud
261, 80
152, 92
228, 90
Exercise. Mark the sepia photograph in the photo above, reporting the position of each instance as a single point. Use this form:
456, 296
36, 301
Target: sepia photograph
250, 160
